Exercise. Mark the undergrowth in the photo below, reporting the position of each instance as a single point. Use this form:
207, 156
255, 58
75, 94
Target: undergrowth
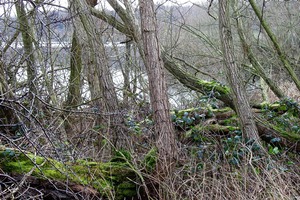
210, 165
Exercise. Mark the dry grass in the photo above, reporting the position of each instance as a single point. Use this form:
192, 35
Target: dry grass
270, 178
209, 177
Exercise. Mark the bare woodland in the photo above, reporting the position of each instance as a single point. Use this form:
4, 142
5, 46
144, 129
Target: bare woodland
146, 99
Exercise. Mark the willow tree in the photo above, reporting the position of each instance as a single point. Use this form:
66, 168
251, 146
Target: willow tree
239, 96
103, 94
165, 137
280, 53
27, 39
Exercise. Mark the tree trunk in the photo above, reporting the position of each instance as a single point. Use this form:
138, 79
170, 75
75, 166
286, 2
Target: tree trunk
257, 66
74, 95
280, 53
240, 100
126, 74
165, 136
27, 38
191, 81
100, 79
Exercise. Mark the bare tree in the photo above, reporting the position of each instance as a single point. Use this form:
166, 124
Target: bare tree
100, 80
165, 137
240, 100
253, 60
28, 39
280, 53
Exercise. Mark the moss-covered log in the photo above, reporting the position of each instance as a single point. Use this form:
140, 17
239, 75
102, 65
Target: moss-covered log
204, 122
220, 91
76, 180
269, 133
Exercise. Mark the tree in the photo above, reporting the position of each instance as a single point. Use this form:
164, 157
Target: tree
253, 60
27, 38
74, 94
280, 53
240, 100
100, 80
164, 132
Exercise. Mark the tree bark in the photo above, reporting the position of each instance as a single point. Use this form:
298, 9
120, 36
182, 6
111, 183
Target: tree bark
222, 92
164, 131
240, 100
99, 76
74, 95
27, 38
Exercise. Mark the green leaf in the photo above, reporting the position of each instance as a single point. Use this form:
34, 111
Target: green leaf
282, 107
275, 150
290, 162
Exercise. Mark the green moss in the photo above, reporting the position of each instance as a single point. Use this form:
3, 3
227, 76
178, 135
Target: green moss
24, 163
221, 110
214, 86
229, 122
121, 156
151, 159
86, 163
126, 189
295, 137
107, 178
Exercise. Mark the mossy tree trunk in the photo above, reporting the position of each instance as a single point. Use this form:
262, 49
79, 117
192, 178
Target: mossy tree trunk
252, 59
74, 94
281, 55
222, 92
74, 88
240, 100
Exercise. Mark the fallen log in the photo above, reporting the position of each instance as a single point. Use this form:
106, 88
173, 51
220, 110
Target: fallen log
26, 174
222, 122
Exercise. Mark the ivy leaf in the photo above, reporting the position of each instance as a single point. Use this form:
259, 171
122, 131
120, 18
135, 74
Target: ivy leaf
173, 118
275, 140
275, 150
